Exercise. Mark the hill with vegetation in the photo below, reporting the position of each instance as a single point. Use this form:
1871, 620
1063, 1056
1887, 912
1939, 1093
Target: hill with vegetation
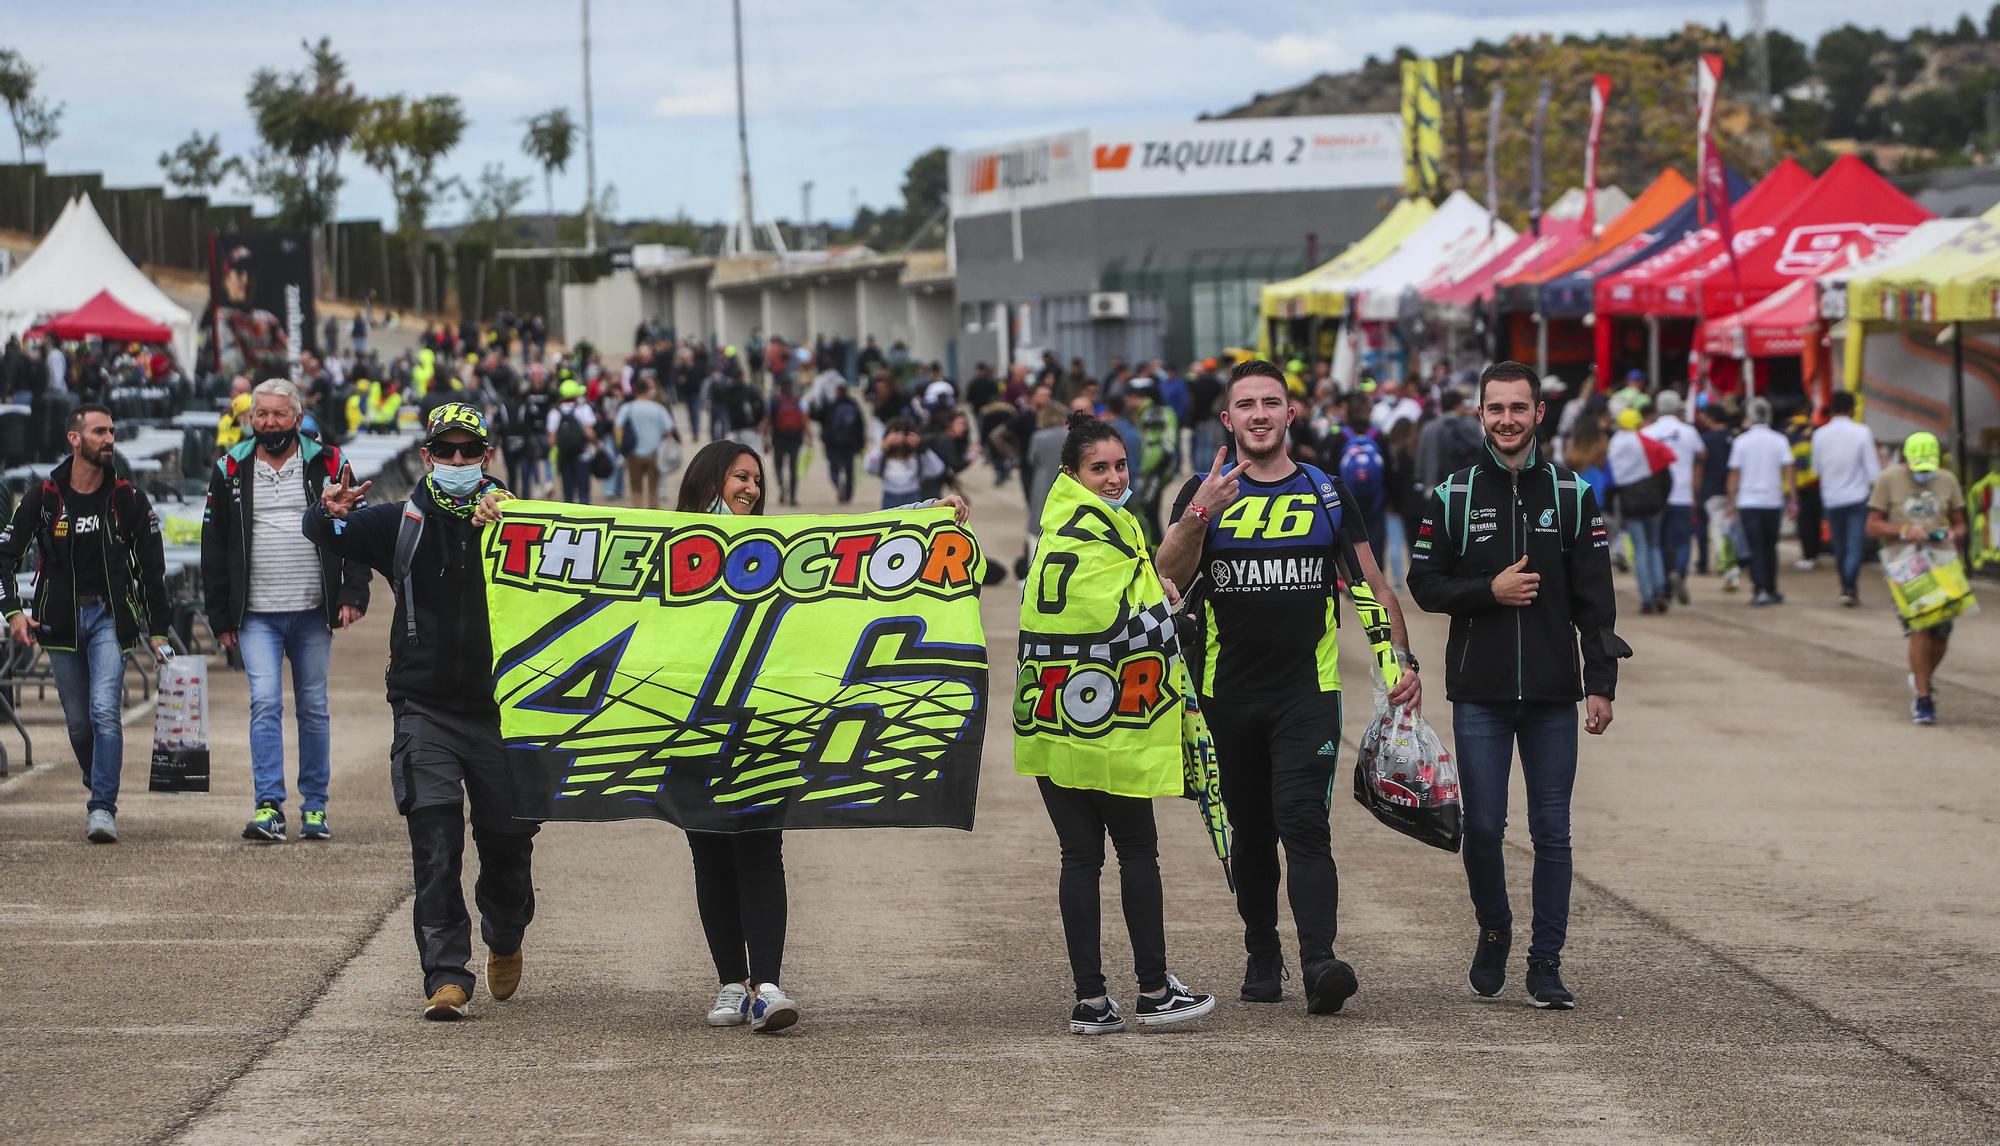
1928, 100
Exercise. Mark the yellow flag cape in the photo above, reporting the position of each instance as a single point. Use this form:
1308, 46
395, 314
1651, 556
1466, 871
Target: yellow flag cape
1099, 697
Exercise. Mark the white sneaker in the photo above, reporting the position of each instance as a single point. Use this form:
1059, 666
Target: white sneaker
1731, 580
772, 1010
732, 1006
100, 827
1805, 564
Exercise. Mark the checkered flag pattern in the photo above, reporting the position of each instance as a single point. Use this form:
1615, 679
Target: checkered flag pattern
1150, 628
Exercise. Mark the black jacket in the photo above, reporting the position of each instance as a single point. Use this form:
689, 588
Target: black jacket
227, 527
440, 645
1478, 522
134, 562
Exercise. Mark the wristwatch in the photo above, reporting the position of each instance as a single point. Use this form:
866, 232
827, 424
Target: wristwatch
1407, 659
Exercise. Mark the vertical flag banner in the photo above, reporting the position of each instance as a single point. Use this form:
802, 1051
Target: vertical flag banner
738, 673
1430, 127
1707, 82
1714, 174
1535, 162
1600, 98
1458, 113
1413, 182
1493, 157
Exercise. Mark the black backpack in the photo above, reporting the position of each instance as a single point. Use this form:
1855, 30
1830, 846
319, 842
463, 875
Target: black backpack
570, 441
1461, 444
746, 407
843, 426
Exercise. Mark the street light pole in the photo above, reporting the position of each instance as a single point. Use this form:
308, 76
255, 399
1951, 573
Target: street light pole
589, 146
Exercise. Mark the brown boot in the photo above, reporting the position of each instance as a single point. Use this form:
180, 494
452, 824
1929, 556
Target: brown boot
503, 974
447, 1004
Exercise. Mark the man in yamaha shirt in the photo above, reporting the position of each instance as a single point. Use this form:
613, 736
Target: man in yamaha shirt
1514, 548
1263, 546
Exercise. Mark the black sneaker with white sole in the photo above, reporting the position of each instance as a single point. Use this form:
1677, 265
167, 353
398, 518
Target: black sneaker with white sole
1177, 1005
1103, 1019
1489, 962
1329, 984
1545, 986
1264, 978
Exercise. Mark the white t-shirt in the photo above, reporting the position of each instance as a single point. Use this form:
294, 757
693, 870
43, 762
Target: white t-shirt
1685, 441
1387, 413
585, 416
1626, 458
284, 564
1843, 454
1759, 456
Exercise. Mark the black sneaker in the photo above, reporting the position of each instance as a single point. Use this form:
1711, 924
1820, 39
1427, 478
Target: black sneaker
1177, 1004
1329, 984
1104, 1019
1489, 962
1546, 986
1680, 585
1264, 978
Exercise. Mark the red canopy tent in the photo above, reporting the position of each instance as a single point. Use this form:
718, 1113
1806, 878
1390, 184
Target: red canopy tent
106, 318
1849, 202
1636, 289
1784, 325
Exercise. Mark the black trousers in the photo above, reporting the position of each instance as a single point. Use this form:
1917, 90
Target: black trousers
739, 889
440, 761
1082, 818
785, 459
1760, 531
1278, 758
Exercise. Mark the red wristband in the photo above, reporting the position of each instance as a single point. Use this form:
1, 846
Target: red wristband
1200, 511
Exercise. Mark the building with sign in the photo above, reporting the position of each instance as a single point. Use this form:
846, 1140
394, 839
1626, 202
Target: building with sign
1155, 240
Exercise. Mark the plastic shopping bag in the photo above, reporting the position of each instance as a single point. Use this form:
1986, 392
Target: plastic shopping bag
180, 727
1406, 778
1928, 584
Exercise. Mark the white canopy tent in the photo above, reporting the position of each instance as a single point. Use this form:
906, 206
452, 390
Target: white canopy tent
75, 260
1461, 229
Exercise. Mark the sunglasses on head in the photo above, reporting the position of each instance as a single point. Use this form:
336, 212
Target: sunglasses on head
458, 450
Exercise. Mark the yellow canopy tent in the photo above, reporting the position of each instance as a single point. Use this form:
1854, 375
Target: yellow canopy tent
1299, 298
1943, 286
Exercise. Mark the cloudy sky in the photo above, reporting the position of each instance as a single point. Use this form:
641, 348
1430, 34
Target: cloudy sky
841, 92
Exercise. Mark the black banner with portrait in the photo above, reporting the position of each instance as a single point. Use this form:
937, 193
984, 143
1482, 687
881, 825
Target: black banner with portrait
260, 315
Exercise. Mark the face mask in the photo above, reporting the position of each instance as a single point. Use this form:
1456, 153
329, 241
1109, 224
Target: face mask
717, 505
1923, 477
458, 481
277, 441
1119, 501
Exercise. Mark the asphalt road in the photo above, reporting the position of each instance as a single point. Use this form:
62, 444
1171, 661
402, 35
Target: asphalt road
1783, 930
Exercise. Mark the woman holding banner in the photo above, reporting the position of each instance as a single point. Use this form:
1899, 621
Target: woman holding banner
1102, 731
739, 877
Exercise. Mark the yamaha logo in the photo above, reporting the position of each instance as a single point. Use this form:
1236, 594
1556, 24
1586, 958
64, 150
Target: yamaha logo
1326, 487
1218, 572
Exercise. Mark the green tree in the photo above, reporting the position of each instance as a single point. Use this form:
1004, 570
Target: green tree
1845, 60
197, 166
492, 201
550, 139
17, 91
1791, 63
38, 125
1993, 22
927, 183
1966, 32
404, 140
305, 120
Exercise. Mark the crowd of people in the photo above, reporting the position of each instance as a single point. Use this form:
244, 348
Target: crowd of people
1309, 491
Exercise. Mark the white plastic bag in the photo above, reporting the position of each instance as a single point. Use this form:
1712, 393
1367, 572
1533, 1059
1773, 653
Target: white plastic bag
1405, 776
180, 727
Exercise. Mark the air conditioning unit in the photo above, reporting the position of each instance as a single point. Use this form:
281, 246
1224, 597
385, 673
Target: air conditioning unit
1110, 304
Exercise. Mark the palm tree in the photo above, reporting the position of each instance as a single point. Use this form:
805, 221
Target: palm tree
550, 139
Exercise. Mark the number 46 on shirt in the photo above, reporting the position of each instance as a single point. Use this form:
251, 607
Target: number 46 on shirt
1271, 518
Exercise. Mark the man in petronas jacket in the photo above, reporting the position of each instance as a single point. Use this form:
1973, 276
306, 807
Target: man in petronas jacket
1514, 548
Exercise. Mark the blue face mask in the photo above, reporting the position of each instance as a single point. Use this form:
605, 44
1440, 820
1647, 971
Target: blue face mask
1923, 477
717, 505
1119, 501
460, 480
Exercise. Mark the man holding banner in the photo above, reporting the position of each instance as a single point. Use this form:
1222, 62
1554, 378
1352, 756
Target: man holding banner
446, 753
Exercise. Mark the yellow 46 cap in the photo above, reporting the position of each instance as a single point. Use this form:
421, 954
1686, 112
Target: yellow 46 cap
456, 416
1921, 452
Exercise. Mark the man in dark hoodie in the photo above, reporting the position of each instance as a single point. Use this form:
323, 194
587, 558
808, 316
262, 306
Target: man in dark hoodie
446, 752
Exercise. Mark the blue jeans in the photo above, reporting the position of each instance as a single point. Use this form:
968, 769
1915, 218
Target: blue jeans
1646, 561
89, 682
267, 639
1676, 538
1485, 736
1849, 526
